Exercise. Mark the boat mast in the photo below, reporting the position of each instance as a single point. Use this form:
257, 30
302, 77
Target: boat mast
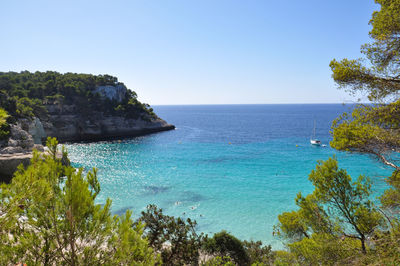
314, 130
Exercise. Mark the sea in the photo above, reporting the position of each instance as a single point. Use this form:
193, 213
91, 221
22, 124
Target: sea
229, 167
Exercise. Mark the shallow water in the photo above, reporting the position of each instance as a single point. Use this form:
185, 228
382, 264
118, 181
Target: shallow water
232, 167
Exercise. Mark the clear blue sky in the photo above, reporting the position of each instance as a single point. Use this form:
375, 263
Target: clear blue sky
191, 52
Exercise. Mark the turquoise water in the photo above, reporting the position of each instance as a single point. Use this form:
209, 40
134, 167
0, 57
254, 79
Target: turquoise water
232, 167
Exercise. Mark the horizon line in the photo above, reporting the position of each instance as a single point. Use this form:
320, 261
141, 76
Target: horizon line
253, 104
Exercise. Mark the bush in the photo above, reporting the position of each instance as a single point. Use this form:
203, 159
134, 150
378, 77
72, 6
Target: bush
175, 238
257, 253
325, 249
223, 244
218, 261
284, 258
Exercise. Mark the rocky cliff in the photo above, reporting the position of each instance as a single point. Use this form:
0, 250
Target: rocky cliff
18, 148
73, 127
74, 122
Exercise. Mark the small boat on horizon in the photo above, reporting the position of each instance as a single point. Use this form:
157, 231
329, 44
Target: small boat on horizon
314, 141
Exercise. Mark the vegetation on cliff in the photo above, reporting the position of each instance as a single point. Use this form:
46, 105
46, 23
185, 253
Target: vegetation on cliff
4, 127
27, 94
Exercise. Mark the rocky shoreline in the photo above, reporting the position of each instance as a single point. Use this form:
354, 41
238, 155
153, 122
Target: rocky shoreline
75, 128
122, 135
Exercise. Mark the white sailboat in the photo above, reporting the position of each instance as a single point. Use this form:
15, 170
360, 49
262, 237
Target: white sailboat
313, 140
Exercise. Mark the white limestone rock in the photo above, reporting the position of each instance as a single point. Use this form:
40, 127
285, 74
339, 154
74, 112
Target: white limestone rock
36, 130
117, 92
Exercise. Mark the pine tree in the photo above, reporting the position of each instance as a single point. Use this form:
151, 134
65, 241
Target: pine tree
48, 215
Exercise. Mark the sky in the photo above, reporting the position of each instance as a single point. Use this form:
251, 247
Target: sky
192, 51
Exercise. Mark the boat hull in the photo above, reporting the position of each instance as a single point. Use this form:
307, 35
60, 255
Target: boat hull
315, 142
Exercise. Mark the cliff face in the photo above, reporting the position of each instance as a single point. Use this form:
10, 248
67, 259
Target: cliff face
18, 148
73, 126
72, 123
116, 92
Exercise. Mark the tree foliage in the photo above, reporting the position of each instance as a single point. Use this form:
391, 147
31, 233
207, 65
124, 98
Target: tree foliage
26, 94
180, 244
258, 253
379, 77
4, 126
375, 129
337, 220
48, 216
175, 238
220, 261
334, 221
324, 249
370, 129
226, 245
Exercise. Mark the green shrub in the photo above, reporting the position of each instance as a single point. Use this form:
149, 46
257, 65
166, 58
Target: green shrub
224, 244
284, 258
325, 249
175, 238
220, 261
257, 253
4, 126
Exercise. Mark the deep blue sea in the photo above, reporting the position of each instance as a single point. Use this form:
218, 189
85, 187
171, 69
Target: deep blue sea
232, 167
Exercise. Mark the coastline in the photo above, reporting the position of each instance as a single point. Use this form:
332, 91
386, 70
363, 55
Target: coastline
87, 138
